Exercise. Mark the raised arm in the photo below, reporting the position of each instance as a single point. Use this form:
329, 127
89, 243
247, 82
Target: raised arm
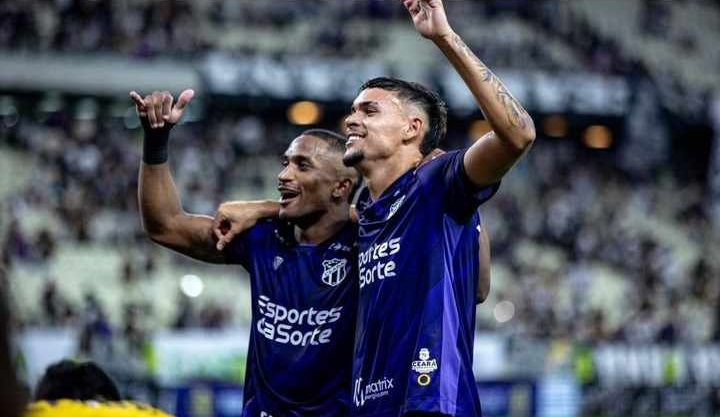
491, 156
163, 218
164, 221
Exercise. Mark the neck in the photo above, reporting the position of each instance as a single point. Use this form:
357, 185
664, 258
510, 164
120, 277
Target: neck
325, 227
380, 174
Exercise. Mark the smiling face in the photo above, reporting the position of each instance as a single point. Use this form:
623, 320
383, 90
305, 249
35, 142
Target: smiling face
312, 181
378, 125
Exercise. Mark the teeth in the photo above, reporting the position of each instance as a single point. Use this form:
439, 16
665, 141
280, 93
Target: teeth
287, 195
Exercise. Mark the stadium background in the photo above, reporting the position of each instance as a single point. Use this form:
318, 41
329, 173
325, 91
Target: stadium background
605, 293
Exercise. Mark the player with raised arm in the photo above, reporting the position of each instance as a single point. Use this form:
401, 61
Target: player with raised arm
418, 236
301, 263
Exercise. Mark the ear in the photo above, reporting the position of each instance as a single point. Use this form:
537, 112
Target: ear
342, 189
414, 128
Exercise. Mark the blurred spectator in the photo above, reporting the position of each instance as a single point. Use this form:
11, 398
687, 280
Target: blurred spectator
76, 381
12, 396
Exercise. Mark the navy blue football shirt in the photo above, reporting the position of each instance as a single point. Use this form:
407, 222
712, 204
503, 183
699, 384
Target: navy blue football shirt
304, 311
418, 268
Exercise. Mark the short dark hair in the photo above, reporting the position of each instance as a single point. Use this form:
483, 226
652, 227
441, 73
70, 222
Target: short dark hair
336, 143
76, 381
428, 100
334, 140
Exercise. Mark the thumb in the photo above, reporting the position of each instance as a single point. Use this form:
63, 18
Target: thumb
184, 99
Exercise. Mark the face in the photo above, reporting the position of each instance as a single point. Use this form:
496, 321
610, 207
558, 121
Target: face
376, 127
308, 183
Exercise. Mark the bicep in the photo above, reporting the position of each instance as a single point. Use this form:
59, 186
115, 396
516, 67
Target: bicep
191, 235
489, 158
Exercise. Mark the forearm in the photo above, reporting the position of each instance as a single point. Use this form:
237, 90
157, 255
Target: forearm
158, 198
166, 223
251, 210
506, 116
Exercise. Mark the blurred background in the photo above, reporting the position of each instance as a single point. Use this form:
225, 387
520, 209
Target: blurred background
605, 297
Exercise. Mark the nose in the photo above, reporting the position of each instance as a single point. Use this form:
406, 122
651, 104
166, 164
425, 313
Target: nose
351, 120
286, 174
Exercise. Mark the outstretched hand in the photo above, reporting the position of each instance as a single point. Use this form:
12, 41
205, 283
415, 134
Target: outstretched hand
429, 18
157, 108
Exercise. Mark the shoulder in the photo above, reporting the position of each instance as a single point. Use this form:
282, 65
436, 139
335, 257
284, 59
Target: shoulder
440, 164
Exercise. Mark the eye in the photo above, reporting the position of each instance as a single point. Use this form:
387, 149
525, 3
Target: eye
284, 162
304, 166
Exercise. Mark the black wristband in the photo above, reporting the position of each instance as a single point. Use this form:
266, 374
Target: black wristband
155, 143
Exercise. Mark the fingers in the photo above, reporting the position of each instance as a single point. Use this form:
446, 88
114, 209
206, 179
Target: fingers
158, 98
225, 239
167, 100
158, 107
139, 104
223, 229
150, 106
413, 6
216, 228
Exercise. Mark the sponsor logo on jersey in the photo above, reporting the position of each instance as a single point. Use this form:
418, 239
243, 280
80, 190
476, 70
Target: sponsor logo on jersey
371, 391
334, 271
340, 247
277, 262
395, 206
296, 327
375, 264
425, 365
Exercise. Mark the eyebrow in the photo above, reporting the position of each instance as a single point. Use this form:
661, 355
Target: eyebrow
365, 104
298, 158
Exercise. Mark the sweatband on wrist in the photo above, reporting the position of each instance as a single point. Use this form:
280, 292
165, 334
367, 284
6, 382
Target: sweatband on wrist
155, 145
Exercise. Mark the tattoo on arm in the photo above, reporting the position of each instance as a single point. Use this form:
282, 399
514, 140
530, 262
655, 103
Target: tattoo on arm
517, 116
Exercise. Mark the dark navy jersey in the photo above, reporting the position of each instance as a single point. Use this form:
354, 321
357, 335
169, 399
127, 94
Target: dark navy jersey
304, 301
418, 269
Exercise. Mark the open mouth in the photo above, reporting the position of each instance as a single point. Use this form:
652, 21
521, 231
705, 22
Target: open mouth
352, 138
287, 195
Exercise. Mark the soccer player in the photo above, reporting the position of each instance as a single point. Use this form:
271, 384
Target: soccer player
301, 264
418, 241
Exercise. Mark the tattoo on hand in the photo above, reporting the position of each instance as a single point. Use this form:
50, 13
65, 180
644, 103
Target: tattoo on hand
517, 115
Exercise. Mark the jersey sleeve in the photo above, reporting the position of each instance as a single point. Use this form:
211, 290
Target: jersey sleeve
447, 177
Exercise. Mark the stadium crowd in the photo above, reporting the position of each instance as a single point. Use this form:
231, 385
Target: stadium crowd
566, 227
146, 29
582, 248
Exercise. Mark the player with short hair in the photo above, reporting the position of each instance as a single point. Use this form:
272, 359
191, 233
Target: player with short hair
418, 236
301, 264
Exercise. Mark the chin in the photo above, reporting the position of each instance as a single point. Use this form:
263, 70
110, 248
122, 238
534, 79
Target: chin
284, 215
353, 157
